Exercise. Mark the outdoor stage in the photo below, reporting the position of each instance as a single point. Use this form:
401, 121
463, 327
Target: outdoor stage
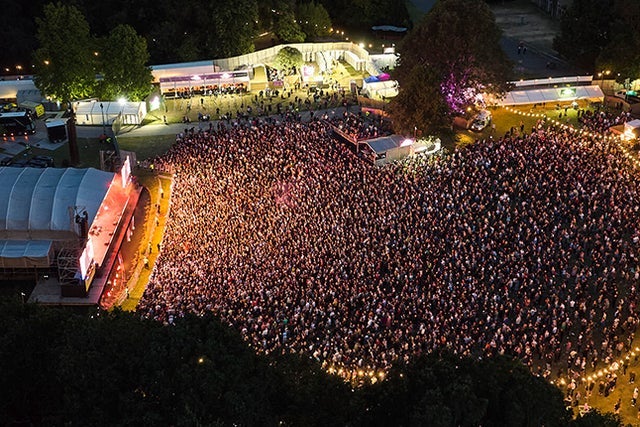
106, 235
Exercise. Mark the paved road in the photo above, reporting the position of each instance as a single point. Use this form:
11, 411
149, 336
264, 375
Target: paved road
176, 128
522, 22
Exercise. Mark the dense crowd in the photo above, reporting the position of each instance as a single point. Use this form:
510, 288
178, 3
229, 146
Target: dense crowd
357, 128
524, 245
601, 121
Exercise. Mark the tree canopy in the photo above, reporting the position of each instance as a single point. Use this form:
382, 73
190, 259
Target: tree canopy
288, 57
363, 14
600, 35
420, 105
622, 53
187, 30
585, 30
123, 58
459, 64
287, 29
314, 20
69, 58
65, 64
65, 368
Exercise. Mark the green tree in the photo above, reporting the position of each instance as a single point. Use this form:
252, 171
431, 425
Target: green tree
622, 53
448, 42
123, 58
17, 32
65, 64
270, 10
287, 58
585, 30
231, 27
420, 105
446, 390
314, 20
193, 30
362, 14
287, 29
56, 363
595, 418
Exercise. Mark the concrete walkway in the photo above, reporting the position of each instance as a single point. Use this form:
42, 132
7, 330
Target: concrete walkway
158, 129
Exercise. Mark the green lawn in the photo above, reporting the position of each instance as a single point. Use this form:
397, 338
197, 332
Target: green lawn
147, 147
505, 119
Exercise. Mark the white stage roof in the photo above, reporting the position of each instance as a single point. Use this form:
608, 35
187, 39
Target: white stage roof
40, 203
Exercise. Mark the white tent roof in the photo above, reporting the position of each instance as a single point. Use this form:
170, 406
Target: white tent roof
90, 113
386, 88
633, 124
25, 253
39, 203
9, 88
110, 108
559, 94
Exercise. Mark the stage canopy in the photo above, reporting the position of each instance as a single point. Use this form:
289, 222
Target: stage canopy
41, 204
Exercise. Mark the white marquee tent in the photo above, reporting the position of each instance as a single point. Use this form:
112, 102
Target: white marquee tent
40, 204
380, 89
555, 94
91, 114
9, 89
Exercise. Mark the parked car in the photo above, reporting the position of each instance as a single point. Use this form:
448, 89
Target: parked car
481, 121
19, 163
37, 163
48, 161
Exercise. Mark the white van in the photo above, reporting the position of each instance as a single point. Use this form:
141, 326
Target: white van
481, 120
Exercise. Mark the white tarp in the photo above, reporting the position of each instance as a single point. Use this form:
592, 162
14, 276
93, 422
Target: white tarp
25, 253
91, 114
40, 203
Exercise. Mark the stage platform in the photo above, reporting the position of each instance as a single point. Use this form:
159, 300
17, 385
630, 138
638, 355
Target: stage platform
113, 223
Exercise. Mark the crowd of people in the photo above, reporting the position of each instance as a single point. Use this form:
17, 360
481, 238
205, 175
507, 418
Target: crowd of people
522, 245
356, 128
601, 121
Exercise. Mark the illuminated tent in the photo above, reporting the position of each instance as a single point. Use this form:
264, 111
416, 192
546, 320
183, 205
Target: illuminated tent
38, 208
40, 204
380, 89
25, 253
9, 90
91, 114
632, 129
591, 93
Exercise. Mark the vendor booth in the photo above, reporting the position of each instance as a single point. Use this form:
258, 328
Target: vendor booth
632, 130
380, 87
388, 148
